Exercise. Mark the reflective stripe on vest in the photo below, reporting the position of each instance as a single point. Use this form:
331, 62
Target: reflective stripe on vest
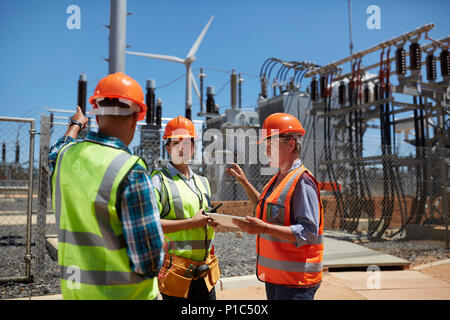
184, 203
98, 261
280, 261
101, 278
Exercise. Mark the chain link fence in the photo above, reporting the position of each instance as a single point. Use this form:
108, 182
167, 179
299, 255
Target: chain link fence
16, 197
377, 194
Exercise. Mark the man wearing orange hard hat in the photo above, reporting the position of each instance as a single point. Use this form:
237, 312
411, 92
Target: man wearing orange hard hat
183, 197
289, 215
109, 232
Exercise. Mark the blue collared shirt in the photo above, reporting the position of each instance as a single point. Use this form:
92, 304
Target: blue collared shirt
137, 209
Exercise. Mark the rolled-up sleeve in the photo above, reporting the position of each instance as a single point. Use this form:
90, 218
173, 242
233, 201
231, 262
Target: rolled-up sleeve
54, 151
141, 223
305, 215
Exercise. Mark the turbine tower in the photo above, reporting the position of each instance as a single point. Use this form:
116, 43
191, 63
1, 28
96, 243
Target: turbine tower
190, 58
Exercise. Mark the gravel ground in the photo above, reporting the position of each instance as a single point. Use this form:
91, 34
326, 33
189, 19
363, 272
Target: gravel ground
12, 264
416, 252
235, 250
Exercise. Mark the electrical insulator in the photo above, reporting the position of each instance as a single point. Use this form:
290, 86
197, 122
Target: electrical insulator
366, 94
376, 92
150, 101
233, 86
188, 114
52, 117
415, 56
263, 81
323, 87
431, 67
400, 60
314, 90
210, 99
342, 96
445, 63
82, 86
158, 113
350, 93
17, 153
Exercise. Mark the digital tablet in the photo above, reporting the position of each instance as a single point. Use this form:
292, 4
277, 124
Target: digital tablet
225, 219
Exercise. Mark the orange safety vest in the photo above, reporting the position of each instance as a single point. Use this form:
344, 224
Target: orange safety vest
280, 261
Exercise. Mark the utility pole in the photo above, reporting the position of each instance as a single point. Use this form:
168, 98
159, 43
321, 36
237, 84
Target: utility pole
117, 36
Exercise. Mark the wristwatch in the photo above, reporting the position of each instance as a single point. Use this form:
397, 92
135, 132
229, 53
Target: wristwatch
72, 122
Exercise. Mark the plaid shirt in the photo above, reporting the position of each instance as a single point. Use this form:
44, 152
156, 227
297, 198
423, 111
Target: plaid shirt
137, 209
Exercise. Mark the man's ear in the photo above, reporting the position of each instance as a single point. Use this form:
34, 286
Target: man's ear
135, 119
292, 145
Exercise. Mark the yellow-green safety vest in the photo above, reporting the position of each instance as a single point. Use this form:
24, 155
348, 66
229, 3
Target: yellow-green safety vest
92, 253
177, 201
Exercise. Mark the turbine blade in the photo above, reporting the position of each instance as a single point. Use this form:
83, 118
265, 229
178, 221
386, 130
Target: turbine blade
195, 85
199, 39
157, 56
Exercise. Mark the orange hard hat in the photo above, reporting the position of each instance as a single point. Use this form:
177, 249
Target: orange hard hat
279, 123
120, 86
180, 127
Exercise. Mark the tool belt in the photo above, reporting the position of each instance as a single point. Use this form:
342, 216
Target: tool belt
178, 272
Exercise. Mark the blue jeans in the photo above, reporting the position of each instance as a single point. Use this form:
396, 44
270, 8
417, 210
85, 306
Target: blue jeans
280, 292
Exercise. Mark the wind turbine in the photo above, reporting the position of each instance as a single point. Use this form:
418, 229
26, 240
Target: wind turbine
190, 58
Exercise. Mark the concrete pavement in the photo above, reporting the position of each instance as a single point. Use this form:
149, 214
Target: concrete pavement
357, 285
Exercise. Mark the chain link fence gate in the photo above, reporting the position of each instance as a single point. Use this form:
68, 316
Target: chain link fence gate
17, 137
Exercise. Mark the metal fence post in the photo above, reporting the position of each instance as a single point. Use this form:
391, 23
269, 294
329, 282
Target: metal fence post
30, 199
44, 146
444, 186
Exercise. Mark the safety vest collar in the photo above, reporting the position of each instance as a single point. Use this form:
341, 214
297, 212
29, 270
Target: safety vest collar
172, 182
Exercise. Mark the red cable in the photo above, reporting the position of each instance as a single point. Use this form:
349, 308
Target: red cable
358, 81
381, 75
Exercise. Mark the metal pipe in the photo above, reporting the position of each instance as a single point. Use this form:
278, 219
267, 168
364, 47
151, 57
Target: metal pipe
12, 119
13, 189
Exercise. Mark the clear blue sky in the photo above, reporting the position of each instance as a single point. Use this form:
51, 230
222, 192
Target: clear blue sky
41, 59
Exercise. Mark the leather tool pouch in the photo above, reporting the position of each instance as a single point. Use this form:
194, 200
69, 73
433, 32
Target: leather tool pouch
178, 276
